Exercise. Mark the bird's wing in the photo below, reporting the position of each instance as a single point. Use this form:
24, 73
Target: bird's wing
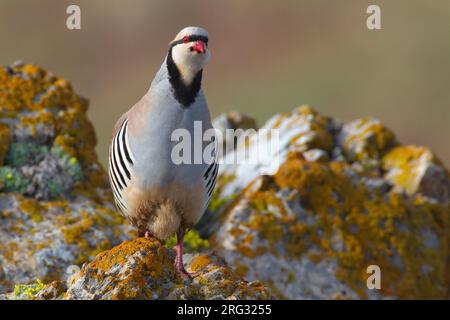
121, 158
209, 178
120, 162
119, 124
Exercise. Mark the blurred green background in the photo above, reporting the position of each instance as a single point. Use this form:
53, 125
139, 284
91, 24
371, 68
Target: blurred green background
267, 57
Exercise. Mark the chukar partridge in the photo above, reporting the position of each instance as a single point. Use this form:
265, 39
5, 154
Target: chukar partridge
160, 197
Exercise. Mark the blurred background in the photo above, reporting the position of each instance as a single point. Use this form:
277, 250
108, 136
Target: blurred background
267, 57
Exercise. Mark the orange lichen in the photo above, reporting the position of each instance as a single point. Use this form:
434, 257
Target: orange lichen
5, 139
31, 208
317, 136
366, 225
76, 231
155, 263
367, 139
39, 99
66, 143
200, 262
241, 269
405, 166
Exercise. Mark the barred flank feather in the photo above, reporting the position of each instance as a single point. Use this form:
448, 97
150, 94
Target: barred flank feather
120, 163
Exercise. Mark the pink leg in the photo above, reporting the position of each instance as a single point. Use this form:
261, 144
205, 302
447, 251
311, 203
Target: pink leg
179, 259
148, 235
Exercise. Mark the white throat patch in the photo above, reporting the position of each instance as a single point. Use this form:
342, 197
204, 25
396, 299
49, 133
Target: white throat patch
188, 62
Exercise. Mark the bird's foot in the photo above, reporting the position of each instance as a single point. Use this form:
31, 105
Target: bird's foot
148, 235
179, 258
184, 274
180, 267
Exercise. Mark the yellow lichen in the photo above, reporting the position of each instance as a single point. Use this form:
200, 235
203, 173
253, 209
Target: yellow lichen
367, 139
317, 136
155, 264
76, 231
32, 208
241, 269
5, 139
365, 225
200, 262
405, 166
52, 104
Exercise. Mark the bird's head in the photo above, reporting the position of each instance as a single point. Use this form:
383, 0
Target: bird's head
190, 52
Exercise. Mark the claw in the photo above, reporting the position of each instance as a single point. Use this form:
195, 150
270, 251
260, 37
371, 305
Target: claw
179, 258
148, 235
185, 274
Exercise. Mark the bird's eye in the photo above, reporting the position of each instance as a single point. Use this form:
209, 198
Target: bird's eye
186, 39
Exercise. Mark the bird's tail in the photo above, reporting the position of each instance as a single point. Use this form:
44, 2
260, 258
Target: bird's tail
166, 222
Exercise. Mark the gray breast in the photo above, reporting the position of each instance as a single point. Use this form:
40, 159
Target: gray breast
153, 149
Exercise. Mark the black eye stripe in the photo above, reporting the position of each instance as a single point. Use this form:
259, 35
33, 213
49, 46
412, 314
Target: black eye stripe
196, 38
191, 39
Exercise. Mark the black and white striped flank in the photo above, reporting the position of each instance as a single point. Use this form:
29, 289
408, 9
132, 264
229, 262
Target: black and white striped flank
209, 178
120, 163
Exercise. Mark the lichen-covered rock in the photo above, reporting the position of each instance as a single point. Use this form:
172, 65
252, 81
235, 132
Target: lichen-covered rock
234, 123
234, 120
365, 139
415, 170
340, 197
344, 197
5, 138
55, 203
301, 131
144, 269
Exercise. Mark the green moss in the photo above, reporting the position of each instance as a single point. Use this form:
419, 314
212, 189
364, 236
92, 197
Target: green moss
217, 201
12, 180
28, 291
20, 154
192, 241
38, 101
70, 163
54, 188
74, 169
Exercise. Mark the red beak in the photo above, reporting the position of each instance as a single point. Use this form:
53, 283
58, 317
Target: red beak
199, 47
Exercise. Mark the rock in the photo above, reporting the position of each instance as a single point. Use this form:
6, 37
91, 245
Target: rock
413, 170
55, 201
144, 269
364, 139
316, 155
24, 291
307, 219
233, 120
5, 138
310, 229
52, 291
238, 126
303, 131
